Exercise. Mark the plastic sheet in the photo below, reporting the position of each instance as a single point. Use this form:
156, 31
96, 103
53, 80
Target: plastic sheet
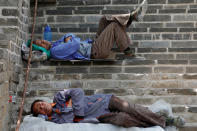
38, 124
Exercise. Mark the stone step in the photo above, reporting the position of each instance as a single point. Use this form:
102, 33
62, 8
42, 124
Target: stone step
189, 127
189, 117
172, 99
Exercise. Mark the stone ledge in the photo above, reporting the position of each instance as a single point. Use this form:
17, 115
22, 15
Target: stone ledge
44, 1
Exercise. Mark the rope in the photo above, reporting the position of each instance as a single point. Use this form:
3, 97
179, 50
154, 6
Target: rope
27, 70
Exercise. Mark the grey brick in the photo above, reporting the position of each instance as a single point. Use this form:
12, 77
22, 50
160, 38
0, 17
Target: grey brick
151, 18
67, 77
91, 8
159, 56
182, 91
115, 11
58, 12
64, 25
50, 19
125, 1
67, 30
192, 11
182, 49
180, 1
9, 12
165, 11
120, 7
88, 26
116, 91
137, 30
195, 36
97, 76
28, 94
39, 13
3, 37
72, 19
102, 84
141, 36
193, 62
145, 50
168, 69
9, 2
108, 62
148, 25
191, 69
190, 76
172, 62
105, 69
138, 69
64, 70
176, 36
139, 62
185, 24
165, 84
190, 17
184, 44
3, 54
89, 92
130, 76
93, 19
75, 63
97, 2
47, 93
186, 56
163, 29
156, 2
93, 29
65, 8
154, 44
192, 109
188, 30
86, 12
76, 84
70, 2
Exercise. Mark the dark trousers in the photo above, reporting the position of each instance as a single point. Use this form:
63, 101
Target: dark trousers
111, 30
129, 115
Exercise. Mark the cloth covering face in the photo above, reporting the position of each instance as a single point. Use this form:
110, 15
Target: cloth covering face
75, 48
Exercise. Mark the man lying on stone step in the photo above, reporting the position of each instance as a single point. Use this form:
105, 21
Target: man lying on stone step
72, 105
111, 30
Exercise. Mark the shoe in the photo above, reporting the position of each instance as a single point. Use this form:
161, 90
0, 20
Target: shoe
138, 14
175, 121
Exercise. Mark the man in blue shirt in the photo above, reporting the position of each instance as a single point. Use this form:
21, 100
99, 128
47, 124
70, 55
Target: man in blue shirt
72, 105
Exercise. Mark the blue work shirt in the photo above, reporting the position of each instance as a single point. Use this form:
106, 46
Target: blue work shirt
72, 50
87, 106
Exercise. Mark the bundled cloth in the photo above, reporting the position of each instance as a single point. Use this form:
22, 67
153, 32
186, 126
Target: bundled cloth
38, 53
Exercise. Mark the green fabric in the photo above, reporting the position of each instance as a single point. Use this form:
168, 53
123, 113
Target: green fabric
36, 47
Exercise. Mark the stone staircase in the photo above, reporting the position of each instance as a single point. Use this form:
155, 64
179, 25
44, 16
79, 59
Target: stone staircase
165, 43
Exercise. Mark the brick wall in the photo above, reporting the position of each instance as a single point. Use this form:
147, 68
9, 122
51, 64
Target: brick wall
166, 39
13, 31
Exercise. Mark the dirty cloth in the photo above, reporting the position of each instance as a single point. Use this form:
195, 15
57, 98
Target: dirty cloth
75, 48
87, 106
38, 124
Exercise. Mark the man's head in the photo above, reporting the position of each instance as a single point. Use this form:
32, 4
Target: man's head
67, 39
41, 107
